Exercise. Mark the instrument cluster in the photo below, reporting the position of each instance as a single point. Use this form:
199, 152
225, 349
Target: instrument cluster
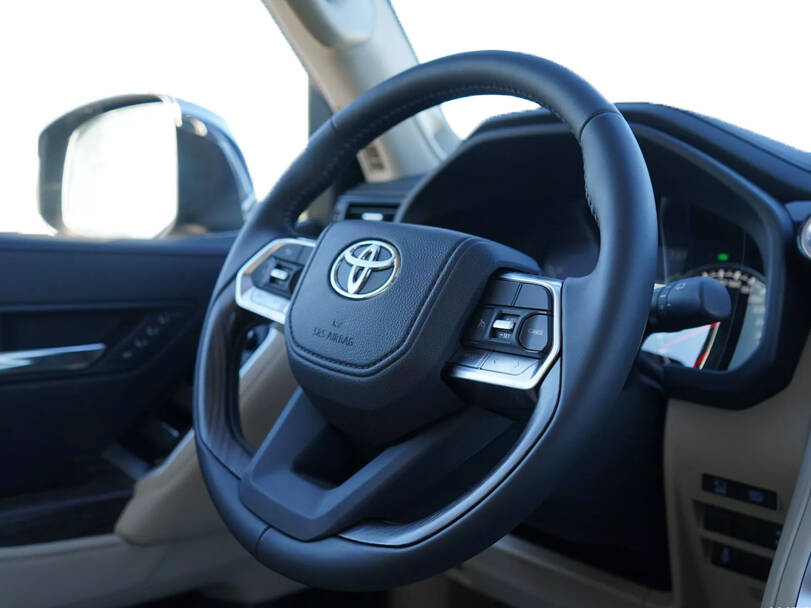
696, 242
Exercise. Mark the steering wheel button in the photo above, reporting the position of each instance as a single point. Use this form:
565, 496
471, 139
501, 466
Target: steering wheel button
534, 296
469, 357
507, 364
500, 292
289, 252
504, 324
480, 324
535, 333
280, 274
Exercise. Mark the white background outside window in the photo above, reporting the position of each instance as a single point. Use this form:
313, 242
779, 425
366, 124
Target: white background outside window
744, 62
225, 55
748, 63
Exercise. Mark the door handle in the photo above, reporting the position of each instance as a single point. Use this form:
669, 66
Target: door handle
58, 359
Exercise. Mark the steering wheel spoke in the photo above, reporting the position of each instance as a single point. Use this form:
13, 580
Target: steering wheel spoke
266, 282
513, 338
310, 481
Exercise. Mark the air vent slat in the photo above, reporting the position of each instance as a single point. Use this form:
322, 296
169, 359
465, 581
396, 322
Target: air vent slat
370, 212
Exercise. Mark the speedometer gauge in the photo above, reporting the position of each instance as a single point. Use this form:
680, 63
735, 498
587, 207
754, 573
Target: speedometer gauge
720, 345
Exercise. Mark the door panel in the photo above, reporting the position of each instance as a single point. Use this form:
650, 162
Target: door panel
142, 300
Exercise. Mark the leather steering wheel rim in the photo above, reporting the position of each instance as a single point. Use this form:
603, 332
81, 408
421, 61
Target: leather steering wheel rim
603, 316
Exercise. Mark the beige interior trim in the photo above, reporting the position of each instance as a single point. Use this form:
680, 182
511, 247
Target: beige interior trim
265, 385
105, 571
344, 62
523, 574
794, 551
172, 502
762, 446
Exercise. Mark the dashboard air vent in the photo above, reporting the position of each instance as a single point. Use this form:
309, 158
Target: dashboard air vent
370, 211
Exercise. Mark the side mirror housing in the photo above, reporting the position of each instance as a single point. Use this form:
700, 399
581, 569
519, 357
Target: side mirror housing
141, 166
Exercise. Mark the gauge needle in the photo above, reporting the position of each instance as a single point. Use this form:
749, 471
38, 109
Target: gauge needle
708, 346
681, 337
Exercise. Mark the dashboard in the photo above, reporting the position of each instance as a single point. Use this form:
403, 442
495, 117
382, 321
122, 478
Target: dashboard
729, 207
519, 180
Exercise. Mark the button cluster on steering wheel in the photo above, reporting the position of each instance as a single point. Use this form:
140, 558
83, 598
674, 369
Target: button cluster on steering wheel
514, 318
266, 282
511, 338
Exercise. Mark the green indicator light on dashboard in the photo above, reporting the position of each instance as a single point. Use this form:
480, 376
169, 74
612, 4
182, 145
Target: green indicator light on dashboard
723, 257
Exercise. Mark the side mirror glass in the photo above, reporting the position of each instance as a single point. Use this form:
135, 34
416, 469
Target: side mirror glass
141, 167
120, 173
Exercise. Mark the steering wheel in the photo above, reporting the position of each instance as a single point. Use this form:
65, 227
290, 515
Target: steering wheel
445, 384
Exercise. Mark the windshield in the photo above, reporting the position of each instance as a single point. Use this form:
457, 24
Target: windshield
745, 63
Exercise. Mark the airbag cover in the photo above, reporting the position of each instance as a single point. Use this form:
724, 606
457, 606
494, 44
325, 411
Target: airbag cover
374, 352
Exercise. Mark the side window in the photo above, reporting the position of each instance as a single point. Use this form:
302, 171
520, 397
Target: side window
224, 65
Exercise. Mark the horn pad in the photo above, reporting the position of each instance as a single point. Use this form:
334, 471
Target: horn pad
379, 310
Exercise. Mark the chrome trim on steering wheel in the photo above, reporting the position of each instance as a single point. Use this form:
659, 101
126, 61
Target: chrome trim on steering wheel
250, 297
532, 376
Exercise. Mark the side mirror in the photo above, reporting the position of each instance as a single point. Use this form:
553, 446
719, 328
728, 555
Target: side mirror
141, 166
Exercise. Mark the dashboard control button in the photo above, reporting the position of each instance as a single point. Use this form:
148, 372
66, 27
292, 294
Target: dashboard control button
535, 333
533, 296
503, 363
716, 485
744, 527
469, 357
500, 292
739, 491
742, 562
